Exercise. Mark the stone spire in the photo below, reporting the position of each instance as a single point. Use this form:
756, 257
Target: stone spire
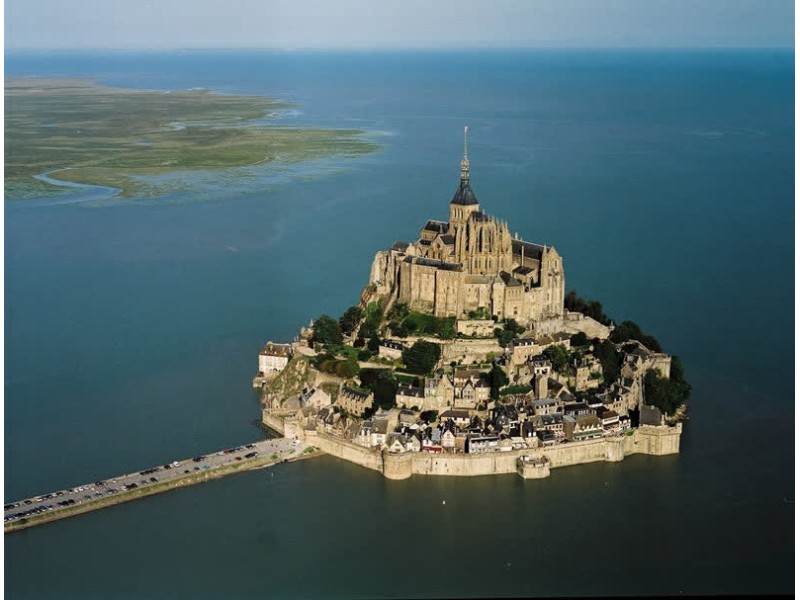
465, 160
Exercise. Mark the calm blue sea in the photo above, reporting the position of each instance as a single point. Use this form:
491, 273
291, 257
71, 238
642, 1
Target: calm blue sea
664, 178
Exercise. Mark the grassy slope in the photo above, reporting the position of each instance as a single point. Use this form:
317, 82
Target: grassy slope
105, 135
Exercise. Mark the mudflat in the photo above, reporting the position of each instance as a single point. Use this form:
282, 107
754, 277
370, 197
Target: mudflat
75, 130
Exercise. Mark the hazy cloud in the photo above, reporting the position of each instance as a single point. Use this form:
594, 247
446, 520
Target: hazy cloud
397, 23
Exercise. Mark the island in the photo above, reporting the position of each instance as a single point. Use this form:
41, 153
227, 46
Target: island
465, 356
73, 130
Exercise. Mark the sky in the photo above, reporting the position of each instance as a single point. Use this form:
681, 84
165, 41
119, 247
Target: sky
363, 24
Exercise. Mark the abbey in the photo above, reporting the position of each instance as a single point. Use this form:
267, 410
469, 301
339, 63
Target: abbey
472, 264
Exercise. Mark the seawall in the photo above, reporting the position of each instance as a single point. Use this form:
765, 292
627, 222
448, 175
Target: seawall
656, 441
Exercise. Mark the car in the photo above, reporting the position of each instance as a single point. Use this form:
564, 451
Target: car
198, 458
238, 458
250, 446
153, 479
251, 455
87, 497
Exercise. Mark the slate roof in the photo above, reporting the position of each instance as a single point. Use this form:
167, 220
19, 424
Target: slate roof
400, 246
439, 264
509, 280
407, 390
464, 195
531, 250
355, 394
449, 240
454, 414
272, 349
437, 226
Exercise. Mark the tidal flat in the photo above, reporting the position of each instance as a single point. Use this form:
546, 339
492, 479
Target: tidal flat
74, 130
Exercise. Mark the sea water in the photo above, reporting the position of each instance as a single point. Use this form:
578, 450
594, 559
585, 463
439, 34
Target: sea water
664, 178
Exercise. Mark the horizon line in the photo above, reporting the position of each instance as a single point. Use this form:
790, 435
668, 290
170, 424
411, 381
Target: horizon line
375, 48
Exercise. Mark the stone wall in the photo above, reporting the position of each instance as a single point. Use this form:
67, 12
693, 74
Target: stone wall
469, 351
337, 447
575, 322
657, 441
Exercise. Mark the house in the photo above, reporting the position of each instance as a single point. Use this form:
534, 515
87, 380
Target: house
355, 402
436, 437
553, 423
372, 433
395, 443
459, 417
548, 406
408, 396
390, 349
439, 392
479, 443
273, 358
582, 427
577, 409
609, 419
314, 396
547, 438
413, 443
470, 388
448, 438
504, 416
407, 417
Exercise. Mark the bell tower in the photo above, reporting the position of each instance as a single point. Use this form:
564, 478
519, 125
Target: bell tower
464, 201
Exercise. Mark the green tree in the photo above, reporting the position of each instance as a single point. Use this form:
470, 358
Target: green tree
590, 308
628, 330
374, 343
385, 390
421, 357
350, 319
326, 331
579, 339
497, 379
429, 416
662, 392
347, 368
611, 361
558, 355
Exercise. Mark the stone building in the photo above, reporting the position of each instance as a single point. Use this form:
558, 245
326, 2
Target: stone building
354, 401
472, 264
273, 358
315, 397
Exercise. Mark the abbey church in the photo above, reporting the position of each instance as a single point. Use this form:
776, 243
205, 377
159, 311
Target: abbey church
472, 264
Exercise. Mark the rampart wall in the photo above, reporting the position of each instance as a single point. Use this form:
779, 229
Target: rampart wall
656, 441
